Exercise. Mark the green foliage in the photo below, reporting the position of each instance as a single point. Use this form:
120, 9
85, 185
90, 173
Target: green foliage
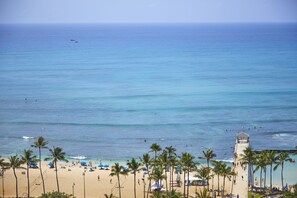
292, 193
255, 195
109, 196
55, 195
203, 194
171, 194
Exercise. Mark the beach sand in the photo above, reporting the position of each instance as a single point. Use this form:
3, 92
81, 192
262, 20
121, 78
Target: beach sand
94, 188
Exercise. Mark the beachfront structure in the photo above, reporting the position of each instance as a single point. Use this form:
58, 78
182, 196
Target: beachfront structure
240, 181
242, 137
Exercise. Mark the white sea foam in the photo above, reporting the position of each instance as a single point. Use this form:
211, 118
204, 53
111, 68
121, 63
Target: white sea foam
79, 157
227, 160
27, 137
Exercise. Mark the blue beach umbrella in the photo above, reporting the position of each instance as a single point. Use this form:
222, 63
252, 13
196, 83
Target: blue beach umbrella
50, 165
100, 165
105, 165
125, 168
83, 163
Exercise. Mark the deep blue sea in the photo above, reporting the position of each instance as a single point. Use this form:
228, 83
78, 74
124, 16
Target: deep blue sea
110, 91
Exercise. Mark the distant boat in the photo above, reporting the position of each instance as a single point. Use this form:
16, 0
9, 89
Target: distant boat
72, 40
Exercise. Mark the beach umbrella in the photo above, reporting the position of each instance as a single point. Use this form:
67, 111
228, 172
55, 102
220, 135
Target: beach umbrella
100, 165
83, 163
105, 165
51, 165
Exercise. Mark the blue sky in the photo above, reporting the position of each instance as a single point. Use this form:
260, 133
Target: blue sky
147, 11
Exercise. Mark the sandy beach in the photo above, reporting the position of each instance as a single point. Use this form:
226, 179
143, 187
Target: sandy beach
74, 174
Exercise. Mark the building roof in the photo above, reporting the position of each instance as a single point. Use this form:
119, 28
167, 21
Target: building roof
242, 135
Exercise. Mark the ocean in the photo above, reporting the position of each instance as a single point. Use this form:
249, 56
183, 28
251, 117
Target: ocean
108, 91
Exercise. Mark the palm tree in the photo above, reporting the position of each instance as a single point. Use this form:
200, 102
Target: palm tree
249, 157
203, 173
155, 148
217, 169
187, 161
27, 159
164, 161
40, 143
280, 160
203, 194
226, 172
4, 166
158, 175
271, 157
118, 170
134, 167
108, 196
208, 155
172, 162
261, 162
57, 154
146, 161
15, 163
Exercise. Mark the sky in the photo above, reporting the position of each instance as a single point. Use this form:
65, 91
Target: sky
148, 11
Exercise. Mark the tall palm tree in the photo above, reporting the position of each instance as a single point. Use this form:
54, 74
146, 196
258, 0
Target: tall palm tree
164, 161
3, 166
27, 159
172, 162
187, 161
134, 167
208, 155
155, 148
15, 163
158, 175
271, 157
57, 154
118, 170
217, 169
226, 172
280, 160
146, 161
203, 173
249, 157
40, 143
261, 163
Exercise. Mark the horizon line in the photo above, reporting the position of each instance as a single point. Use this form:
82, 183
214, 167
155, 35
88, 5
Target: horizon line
140, 23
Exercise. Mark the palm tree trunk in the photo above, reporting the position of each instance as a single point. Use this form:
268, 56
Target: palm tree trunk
150, 183
166, 180
172, 172
184, 183
56, 169
188, 186
3, 183
264, 178
135, 184
218, 184
43, 186
282, 175
16, 183
261, 177
28, 180
270, 176
119, 187
223, 193
207, 176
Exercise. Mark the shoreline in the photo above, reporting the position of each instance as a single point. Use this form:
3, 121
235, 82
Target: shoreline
69, 174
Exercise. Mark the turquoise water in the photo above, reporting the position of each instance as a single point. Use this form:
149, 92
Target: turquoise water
120, 88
